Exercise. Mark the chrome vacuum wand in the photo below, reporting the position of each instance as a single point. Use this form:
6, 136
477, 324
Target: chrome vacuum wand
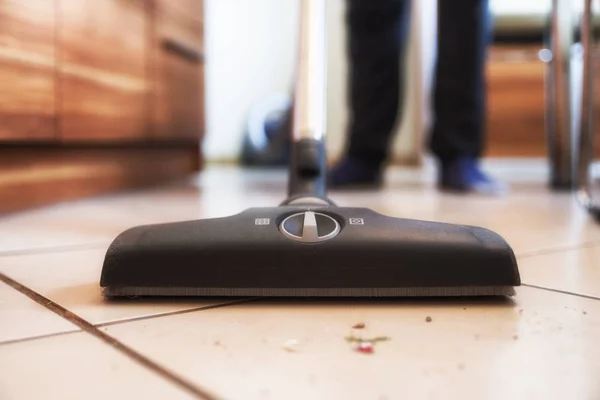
308, 164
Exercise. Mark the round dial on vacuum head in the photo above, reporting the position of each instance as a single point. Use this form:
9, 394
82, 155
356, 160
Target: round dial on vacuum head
310, 227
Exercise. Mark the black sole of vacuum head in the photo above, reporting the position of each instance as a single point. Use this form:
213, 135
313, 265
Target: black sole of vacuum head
328, 252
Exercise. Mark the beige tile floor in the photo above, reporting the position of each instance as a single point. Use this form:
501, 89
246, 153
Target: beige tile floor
60, 339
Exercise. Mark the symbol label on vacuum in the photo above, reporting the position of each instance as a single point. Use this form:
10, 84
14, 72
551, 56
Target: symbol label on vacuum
357, 221
262, 221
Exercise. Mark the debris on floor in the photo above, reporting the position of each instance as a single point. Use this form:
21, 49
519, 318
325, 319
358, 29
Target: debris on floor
358, 339
365, 345
515, 337
461, 366
360, 325
428, 319
217, 343
584, 313
290, 345
521, 311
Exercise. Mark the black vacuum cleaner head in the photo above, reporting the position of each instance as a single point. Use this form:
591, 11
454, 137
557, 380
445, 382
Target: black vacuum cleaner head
309, 251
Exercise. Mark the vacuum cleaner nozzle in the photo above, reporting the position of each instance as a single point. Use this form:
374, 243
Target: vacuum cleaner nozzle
309, 251
308, 246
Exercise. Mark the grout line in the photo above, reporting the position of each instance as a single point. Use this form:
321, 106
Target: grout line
559, 249
585, 296
47, 335
178, 312
53, 249
123, 321
89, 328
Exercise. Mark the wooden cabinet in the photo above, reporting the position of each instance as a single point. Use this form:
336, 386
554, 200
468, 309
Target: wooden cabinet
27, 70
97, 96
515, 104
102, 70
177, 49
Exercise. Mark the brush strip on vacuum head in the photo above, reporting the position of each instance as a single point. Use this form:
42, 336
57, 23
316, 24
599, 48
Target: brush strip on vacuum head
311, 292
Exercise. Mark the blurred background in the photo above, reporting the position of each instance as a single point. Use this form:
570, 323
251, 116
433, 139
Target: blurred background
98, 96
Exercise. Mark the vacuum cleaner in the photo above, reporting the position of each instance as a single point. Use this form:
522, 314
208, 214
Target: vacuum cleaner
267, 139
308, 245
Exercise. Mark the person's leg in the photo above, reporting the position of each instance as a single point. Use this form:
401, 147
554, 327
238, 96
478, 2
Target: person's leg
457, 140
377, 31
459, 91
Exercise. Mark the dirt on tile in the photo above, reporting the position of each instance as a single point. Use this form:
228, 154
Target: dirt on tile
365, 347
290, 346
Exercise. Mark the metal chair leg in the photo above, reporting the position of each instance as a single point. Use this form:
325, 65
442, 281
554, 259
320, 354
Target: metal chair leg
559, 117
585, 137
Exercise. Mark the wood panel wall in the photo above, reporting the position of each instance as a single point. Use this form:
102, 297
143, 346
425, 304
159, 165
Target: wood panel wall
516, 103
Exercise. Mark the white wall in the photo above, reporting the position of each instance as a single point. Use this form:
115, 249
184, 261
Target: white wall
249, 54
251, 46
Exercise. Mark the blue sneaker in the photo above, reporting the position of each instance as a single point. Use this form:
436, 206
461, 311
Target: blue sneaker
353, 173
465, 176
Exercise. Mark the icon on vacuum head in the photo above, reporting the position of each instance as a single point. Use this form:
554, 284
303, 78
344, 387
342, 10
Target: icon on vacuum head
357, 221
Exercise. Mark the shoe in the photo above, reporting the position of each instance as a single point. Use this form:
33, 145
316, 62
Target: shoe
464, 175
352, 173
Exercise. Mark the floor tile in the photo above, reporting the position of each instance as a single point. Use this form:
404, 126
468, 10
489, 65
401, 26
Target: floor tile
22, 318
531, 217
71, 279
544, 345
77, 366
98, 221
576, 270
528, 221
